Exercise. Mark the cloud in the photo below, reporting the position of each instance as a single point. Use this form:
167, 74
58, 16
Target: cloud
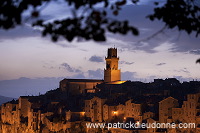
185, 42
48, 67
53, 10
127, 63
98, 74
160, 64
19, 32
128, 75
145, 41
64, 44
140, 21
69, 68
196, 52
95, 58
182, 79
146, 27
183, 70
78, 76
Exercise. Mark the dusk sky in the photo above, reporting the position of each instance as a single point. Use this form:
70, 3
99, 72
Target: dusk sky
24, 53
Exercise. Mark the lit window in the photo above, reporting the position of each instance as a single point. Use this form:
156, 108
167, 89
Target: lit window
115, 112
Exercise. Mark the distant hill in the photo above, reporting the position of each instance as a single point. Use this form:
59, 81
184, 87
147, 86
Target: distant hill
5, 99
26, 86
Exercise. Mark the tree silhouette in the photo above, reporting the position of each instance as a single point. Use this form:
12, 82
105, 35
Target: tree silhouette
94, 21
198, 61
183, 14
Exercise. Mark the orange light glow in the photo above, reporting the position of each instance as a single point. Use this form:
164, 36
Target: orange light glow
120, 82
82, 113
138, 123
115, 112
117, 82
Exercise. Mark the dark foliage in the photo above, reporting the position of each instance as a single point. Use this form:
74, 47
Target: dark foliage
90, 25
183, 14
198, 61
94, 22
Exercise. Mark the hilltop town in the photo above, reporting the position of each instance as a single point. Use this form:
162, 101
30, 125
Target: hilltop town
80, 102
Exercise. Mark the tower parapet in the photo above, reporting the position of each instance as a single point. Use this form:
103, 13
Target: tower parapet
112, 73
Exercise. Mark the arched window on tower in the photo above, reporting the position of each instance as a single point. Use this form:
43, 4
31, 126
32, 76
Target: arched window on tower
108, 66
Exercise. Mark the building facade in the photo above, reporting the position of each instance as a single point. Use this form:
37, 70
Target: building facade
112, 73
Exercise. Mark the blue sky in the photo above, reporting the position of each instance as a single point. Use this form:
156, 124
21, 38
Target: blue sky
24, 53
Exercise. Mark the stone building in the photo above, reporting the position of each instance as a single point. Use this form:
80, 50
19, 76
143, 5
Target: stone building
82, 86
109, 112
34, 119
100, 110
133, 110
79, 86
112, 73
74, 116
24, 105
165, 109
191, 108
10, 113
94, 109
148, 115
108, 103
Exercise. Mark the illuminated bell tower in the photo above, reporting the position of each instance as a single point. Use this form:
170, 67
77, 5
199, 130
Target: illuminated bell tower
112, 73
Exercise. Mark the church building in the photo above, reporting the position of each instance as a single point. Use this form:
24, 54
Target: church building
112, 75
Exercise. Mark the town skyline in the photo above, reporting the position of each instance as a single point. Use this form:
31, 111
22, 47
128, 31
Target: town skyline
78, 102
170, 54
